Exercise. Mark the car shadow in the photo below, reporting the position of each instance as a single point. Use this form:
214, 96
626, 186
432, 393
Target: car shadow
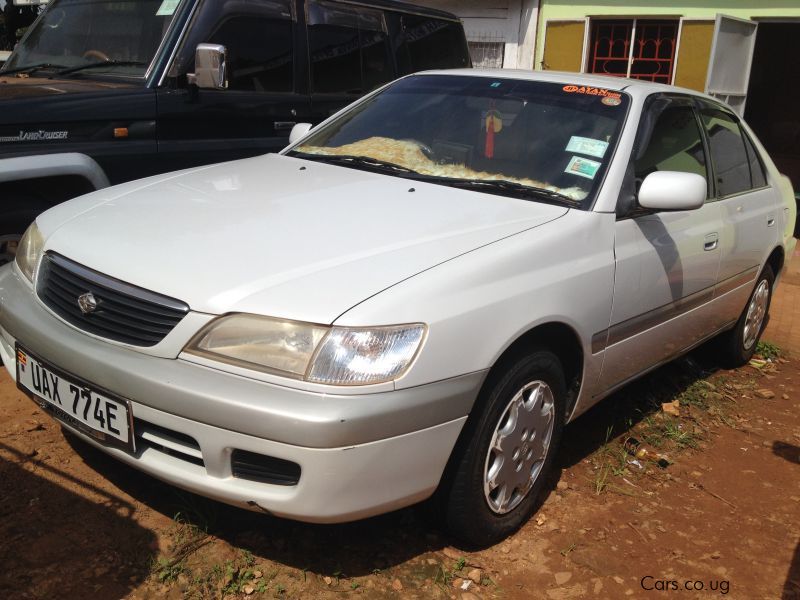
61, 537
392, 539
791, 589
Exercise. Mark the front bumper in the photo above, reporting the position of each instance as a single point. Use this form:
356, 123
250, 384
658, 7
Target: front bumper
359, 455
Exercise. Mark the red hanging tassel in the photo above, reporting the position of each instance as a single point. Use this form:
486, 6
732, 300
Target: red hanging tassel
488, 151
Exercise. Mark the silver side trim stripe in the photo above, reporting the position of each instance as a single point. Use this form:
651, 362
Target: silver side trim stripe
640, 323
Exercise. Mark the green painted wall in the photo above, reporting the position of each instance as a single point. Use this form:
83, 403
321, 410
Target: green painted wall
698, 9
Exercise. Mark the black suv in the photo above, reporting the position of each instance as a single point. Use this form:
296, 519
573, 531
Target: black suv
100, 92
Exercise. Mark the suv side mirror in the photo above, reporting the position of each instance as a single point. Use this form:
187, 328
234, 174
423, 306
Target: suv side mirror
298, 131
210, 69
672, 190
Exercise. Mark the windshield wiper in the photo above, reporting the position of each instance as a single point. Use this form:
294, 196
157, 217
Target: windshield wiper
31, 68
356, 161
102, 63
504, 186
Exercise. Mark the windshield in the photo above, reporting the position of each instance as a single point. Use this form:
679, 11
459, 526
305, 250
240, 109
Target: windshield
100, 33
493, 134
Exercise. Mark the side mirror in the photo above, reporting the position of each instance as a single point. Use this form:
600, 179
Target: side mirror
298, 131
210, 69
672, 190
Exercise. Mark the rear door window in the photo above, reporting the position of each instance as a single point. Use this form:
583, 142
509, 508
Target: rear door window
728, 152
756, 168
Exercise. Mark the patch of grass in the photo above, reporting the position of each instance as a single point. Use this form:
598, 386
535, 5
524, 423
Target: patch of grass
236, 574
613, 462
768, 350
444, 577
679, 433
166, 570
565, 552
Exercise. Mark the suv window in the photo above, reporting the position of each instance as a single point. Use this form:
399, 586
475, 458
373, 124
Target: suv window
675, 145
349, 49
433, 44
334, 47
728, 154
260, 56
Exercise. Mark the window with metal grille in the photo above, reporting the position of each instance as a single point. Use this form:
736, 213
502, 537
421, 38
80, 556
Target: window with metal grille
487, 53
637, 48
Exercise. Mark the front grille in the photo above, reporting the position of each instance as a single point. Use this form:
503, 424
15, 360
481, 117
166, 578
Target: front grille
264, 469
123, 312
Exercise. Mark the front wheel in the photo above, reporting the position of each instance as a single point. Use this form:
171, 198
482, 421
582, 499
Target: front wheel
509, 449
739, 344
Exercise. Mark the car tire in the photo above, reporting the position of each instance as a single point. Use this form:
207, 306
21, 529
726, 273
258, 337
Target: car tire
515, 431
739, 344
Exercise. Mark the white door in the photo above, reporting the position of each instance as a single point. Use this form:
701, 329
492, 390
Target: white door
666, 262
731, 57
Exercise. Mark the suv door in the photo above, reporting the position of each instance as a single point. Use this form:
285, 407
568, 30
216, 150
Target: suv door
267, 85
666, 262
748, 205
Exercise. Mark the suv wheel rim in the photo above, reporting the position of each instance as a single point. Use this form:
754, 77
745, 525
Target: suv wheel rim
519, 446
756, 312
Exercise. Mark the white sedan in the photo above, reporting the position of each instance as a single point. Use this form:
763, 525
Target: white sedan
411, 300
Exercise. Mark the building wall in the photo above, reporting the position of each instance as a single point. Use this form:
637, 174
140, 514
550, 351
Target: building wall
746, 9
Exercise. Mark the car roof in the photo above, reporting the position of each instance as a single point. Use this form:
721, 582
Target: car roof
635, 87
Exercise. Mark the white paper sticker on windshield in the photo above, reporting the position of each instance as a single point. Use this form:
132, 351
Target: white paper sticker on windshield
588, 146
583, 167
167, 8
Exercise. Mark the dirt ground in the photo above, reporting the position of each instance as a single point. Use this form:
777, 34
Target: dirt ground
722, 519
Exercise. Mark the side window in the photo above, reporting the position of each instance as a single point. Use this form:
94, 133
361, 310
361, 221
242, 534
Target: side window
728, 154
756, 168
675, 145
334, 46
375, 57
433, 44
260, 56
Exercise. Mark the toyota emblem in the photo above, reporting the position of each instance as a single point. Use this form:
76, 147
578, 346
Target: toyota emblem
87, 303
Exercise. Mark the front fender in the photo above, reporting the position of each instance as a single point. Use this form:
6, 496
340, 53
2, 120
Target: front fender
52, 165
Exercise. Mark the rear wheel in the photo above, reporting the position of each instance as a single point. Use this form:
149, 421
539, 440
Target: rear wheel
739, 344
509, 448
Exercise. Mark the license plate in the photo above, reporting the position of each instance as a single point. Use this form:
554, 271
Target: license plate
97, 414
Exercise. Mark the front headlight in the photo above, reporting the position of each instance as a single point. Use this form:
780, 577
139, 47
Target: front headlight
331, 355
29, 251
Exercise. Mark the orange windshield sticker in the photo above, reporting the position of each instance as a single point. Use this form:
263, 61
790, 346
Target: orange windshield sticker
591, 91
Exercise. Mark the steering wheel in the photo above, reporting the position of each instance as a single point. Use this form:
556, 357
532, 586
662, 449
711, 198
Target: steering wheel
98, 54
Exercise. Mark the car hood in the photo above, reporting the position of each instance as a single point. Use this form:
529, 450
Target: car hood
279, 236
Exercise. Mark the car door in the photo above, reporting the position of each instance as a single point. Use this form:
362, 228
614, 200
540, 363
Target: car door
747, 203
266, 93
666, 262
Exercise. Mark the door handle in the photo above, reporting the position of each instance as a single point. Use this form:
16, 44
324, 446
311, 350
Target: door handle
284, 125
712, 239
771, 222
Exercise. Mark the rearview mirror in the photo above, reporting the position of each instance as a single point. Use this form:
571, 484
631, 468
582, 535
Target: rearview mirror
210, 67
298, 131
672, 190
